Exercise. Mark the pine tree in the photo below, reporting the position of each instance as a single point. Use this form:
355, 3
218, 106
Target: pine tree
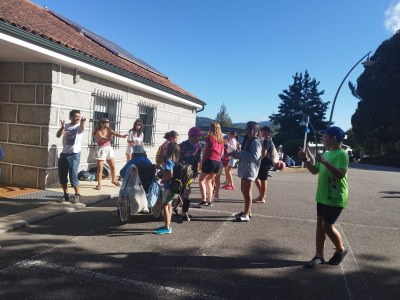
301, 98
223, 118
376, 123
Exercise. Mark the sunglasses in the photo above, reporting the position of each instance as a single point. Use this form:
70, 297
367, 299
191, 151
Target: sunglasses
105, 122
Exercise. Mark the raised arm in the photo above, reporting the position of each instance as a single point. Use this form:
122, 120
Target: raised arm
310, 167
83, 120
61, 130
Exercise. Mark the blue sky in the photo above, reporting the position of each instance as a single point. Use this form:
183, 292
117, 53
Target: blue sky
244, 53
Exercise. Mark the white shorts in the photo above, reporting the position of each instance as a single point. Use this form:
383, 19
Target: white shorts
129, 150
232, 162
104, 153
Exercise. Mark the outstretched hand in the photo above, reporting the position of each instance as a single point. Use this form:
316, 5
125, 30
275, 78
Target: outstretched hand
83, 120
302, 154
62, 122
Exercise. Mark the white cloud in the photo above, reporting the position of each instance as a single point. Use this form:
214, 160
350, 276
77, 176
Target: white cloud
392, 17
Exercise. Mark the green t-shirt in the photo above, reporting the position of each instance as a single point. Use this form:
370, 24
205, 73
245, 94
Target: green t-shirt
332, 191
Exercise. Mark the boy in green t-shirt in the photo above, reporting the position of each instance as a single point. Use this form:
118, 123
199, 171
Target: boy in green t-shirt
332, 193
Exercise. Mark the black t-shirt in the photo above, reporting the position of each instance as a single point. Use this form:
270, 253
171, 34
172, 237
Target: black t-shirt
267, 145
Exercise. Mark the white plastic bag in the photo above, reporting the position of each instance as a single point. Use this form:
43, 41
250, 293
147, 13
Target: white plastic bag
154, 193
133, 189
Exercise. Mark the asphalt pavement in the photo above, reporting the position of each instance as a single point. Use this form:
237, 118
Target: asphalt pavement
89, 254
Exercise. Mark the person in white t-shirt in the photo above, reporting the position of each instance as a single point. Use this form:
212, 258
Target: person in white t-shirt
70, 156
135, 137
231, 147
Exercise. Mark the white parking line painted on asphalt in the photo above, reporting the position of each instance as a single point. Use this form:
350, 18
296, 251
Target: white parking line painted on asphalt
216, 236
311, 221
352, 265
144, 287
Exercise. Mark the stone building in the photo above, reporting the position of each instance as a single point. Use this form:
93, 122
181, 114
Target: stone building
50, 65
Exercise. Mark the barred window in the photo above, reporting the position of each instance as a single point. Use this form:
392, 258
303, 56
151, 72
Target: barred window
106, 106
147, 115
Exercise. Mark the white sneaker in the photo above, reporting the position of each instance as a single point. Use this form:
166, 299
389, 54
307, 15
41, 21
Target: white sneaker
241, 218
145, 210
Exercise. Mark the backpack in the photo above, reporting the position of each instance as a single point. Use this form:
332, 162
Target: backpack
106, 171
86, 176
182, 178
274, 155
159, 155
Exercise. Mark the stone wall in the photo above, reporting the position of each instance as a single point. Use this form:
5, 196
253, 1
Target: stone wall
34, 97
24, 121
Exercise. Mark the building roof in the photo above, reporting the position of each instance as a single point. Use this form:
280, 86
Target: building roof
35, 20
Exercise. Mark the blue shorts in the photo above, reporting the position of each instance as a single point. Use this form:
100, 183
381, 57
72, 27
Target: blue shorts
68, 164
328, 213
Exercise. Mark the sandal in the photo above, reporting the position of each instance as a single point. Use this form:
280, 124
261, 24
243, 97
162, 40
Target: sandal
98, 187
258, 200
116, 183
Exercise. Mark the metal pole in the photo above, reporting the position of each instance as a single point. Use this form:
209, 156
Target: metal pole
340, 86
305, 139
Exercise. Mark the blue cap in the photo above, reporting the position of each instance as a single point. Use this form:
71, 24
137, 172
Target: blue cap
335, 131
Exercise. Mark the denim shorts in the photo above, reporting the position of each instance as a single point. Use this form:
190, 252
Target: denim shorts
68, 164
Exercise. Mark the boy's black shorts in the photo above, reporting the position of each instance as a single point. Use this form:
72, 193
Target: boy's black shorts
264, 169
328, 213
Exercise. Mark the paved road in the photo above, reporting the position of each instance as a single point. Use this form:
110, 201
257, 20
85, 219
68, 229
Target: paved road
88, 254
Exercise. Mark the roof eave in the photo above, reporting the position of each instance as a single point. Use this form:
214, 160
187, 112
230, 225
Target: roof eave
52, 46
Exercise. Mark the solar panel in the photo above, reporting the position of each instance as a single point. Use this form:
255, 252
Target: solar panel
115, 49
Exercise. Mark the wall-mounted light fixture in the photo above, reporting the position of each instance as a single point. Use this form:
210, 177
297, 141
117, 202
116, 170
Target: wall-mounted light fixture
77, 77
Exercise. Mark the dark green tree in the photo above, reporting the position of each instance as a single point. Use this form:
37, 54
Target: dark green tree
301, 98
376, 124
223, 118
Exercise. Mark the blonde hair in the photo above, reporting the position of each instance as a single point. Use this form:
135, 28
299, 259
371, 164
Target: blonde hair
215, 131
172, 151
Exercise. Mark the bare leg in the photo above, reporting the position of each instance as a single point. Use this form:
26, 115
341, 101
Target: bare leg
65, 188
76, 190
246, 190
167, 215
128, 157
258, 184
320, 238
333, 235
229, 177
217, 181
111, 163
209, 186
100, 164
202, 185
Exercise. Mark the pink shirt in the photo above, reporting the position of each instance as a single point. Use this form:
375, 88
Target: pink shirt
214, 150
103, 142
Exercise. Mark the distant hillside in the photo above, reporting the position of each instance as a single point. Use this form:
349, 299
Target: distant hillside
203, 121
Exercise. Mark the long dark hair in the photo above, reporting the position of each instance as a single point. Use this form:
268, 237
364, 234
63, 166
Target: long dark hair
173, 151
253, 132
138, 132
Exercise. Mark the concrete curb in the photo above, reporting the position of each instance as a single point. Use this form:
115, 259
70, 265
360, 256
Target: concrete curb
26, 218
